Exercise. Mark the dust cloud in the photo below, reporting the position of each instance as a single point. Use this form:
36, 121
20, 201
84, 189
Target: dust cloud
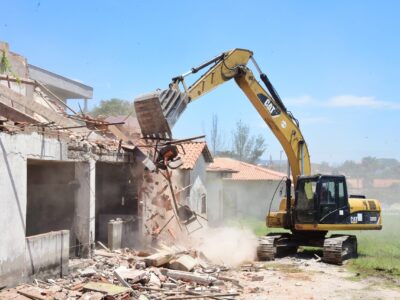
228, 246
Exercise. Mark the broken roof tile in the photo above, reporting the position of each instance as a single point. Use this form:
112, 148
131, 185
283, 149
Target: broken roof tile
191, 153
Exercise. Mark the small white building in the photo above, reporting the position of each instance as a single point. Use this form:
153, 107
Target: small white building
237, 189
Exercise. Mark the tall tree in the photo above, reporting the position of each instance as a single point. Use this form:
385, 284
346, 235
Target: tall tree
216, 140
246, 147
113, 107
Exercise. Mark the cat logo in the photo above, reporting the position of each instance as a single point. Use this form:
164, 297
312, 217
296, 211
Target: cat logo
353, 219
269, 105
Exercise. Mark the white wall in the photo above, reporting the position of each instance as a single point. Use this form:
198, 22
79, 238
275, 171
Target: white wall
250, 198
14, 152
215, 209
47, 254
199, 170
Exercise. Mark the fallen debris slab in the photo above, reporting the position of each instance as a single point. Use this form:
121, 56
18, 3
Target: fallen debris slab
188, 276
183, 263
132, 275
158, 259
106, 288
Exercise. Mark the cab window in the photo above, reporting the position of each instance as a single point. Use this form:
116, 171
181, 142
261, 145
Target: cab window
305, 202
327, 193
342, 195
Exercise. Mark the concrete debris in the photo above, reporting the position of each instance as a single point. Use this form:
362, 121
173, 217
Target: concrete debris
106, 288
130, 274
158, 259
87, 272
189, 277
183, 263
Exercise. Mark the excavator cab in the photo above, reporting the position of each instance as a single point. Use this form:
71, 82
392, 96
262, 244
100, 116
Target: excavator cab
321, 199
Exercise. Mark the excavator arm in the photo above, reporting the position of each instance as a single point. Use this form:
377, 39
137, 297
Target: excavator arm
158, 111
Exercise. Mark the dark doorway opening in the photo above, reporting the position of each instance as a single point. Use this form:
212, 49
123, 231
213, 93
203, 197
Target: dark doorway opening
116, 197
50, 197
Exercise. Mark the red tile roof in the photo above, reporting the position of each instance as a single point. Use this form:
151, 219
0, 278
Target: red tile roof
192, 152
244, 171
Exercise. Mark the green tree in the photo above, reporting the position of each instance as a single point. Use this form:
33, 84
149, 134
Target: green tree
113, 107
246, 147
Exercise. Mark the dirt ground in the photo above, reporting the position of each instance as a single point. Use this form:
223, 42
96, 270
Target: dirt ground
305, 278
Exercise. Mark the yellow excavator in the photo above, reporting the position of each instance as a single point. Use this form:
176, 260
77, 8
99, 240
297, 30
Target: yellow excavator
320, 202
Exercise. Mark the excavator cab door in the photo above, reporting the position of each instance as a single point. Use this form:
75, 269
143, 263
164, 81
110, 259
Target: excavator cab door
333, 200
305, 210
321, 200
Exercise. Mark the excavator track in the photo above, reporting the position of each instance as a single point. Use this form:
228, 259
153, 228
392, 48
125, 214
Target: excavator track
338, 248
275, 245
266, 249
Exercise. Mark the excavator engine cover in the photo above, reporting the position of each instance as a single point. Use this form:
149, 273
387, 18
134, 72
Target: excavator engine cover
157, 112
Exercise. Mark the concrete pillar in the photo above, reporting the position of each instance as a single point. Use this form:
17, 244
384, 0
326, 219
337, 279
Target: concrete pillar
85, 105
85, 174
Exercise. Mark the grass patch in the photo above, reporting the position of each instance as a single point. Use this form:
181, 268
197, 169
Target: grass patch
379, 251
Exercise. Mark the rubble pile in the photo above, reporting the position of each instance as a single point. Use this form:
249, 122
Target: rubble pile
168, 273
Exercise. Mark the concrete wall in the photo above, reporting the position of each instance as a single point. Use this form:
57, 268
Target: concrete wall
227, 199
14, 152
250, 198
215, 207
47, 254
199, 170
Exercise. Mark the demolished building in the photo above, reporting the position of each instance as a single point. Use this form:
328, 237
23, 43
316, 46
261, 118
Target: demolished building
65, 178
49, 167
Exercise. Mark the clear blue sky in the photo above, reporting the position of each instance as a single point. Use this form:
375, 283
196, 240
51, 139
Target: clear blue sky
336, 64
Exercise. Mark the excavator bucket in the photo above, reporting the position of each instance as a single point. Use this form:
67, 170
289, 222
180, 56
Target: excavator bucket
157, 112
